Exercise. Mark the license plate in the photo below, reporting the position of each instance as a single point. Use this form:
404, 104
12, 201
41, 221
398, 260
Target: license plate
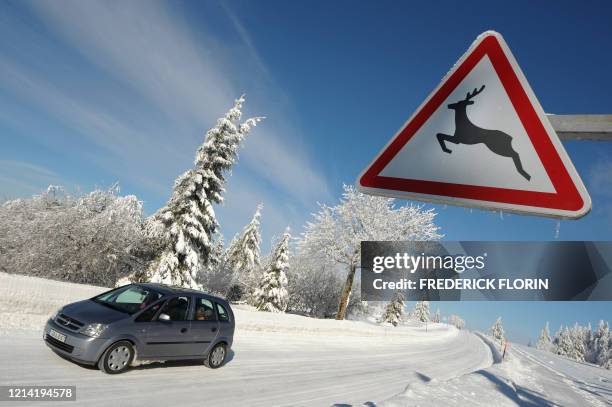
54, 334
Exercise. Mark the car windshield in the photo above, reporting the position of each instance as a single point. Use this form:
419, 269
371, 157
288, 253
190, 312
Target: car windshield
129, 299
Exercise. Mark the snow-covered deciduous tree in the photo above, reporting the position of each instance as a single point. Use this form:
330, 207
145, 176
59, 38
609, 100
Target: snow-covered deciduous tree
497, 331
457, 321
437, 318
394, 310
314, 286
188, 222
420, 312
544, 341
272, 293
93, 238
336, 232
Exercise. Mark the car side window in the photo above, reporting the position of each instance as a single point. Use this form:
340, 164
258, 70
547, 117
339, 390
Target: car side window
204, 310
223, 314
177, 308
149, 313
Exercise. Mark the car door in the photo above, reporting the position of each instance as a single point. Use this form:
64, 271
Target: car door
226, 323
204, 324
172, 338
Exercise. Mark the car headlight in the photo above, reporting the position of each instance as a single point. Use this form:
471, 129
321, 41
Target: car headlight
93, 330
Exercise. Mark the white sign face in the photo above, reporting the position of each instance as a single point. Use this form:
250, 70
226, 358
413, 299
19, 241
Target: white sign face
481, 139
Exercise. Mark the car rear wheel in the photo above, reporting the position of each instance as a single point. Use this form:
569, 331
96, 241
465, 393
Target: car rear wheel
216, 356
117, 358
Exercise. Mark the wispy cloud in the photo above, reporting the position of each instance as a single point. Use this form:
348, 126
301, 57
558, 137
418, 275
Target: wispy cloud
145, 46
115, 143
18, 178
154, 84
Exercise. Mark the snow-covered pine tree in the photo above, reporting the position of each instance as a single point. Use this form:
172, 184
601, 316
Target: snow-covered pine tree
582, 344
243, 253
336, 232
421, 311
214, 278
394, 310
272, 293
497, 330
437, 318
556, 340
601, 345
457, 321
544, 341
578, 350
188, 220
243, 257
588, 342
564, 345
216, 254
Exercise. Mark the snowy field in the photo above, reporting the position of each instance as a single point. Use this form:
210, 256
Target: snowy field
280, 359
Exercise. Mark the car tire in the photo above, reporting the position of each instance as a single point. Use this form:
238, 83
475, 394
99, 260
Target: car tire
117, 358
216, 356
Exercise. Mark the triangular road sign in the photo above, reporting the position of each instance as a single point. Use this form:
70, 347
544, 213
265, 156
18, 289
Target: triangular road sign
481, 139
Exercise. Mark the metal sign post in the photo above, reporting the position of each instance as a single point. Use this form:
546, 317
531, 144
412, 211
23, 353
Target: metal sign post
578, 127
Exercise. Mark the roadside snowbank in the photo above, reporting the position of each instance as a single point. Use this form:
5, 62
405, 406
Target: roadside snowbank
486, 387
26, 303
526, 377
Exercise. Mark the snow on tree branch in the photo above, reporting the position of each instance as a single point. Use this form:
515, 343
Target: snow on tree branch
335, 233
188, 222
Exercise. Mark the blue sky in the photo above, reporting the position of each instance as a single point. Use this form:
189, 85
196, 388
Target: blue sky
94, 93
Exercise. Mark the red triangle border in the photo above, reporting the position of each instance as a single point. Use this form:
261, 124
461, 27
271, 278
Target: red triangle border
566, 197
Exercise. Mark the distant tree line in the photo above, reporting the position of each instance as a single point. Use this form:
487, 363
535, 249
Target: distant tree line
580, 343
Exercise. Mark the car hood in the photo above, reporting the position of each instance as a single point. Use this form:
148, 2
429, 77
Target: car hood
90, 312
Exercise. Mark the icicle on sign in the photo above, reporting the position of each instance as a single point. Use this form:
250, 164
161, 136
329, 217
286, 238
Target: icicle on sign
481, 139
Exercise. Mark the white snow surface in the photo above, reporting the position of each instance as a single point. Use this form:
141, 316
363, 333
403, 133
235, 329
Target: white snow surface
526, 377
282, 359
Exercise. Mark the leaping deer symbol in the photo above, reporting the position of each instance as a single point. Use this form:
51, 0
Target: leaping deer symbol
467, 132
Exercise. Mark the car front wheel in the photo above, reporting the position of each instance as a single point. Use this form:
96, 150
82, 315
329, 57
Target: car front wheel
216, 356
117, 358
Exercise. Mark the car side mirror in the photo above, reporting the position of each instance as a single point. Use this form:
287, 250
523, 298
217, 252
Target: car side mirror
163, 317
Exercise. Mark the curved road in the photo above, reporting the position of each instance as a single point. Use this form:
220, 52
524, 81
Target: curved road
266, 369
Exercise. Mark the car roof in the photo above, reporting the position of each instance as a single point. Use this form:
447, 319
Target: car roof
176, 290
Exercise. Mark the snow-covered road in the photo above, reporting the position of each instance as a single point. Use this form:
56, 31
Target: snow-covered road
266, 369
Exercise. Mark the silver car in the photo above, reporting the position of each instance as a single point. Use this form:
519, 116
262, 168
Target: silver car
145, 321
